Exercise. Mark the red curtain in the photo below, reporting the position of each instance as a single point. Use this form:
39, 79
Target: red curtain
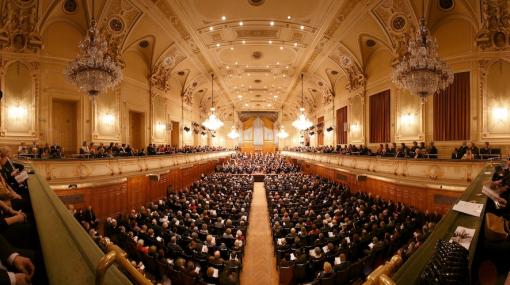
451, 110
341, 122
380, 117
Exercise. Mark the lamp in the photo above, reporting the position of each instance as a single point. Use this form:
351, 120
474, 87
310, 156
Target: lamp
17, 112
500, 113
212, 122
233, 134
421, 71
107, 119
407, 119
302, 123
282, 133
94, 70
160, 126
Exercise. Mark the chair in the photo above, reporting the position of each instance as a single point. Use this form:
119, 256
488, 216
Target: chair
187, 280
327, 280
317, 265
301, 272
355, 270
175, 276
342, 277
286, 275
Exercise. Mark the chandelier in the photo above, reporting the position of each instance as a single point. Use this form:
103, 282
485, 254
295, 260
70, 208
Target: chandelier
282, 133
233, 134
93, 70
212, 122
302, 123
421, 71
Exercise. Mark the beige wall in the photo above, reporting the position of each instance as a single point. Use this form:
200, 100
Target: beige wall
410, 119
32, 79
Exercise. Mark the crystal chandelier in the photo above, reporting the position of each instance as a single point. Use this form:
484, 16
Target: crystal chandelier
212, 122
233, 134
302, 123
282, 133
93, 70
421, 71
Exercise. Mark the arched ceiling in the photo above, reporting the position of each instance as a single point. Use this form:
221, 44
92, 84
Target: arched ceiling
256, 48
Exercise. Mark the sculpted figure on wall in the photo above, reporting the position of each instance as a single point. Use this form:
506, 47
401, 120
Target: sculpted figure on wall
495, 22
19, 21
161, 75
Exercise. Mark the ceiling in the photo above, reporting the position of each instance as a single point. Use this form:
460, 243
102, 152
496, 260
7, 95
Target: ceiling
257, 49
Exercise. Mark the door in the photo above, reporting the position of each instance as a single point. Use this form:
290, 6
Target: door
341, 125
320, 131
174, 135
64, 125
136, 130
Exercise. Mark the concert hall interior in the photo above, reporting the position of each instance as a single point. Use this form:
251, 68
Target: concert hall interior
240, 142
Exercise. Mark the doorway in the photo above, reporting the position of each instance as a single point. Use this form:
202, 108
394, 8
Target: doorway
320, 131
64, 125
136, 129
174, 135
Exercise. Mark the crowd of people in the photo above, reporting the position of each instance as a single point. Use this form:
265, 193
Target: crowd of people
469, 151
116, 149
249, 163
198, 234
40, 151
20, 253
101, 150
326, 228
416, 150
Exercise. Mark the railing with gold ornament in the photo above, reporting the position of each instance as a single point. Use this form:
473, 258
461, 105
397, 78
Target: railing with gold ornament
117, 255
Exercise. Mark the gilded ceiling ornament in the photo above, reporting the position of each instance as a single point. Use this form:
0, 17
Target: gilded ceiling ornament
122, 16
495, 30
160, 78
18, 31
188, 93
396, 17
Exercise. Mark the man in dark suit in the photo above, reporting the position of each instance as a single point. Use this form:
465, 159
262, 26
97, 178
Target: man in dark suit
22, 268
344, 263
432, 150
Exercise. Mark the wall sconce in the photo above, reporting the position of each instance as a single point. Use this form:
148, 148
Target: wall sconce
17, 112
407, 119
500, 114
186, 129
160, 126
354, 127
107, 119
329, 129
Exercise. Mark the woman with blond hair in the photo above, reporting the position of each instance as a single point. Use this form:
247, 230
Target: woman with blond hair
327, 271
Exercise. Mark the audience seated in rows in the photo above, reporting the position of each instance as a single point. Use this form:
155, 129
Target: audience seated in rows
196, 234
386, 150
315, 221
40, 151
101, 150
248, 163
469, 151
20, 252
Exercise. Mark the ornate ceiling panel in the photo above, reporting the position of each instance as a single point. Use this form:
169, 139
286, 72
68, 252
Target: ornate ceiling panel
257, 52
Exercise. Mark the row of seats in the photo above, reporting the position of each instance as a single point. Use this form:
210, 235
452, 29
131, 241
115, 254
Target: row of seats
192, 237
321, 227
